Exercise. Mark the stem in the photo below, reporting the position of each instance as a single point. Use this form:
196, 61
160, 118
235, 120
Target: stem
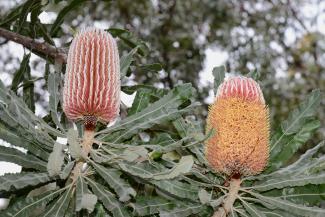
40, 47
87, 142
230, 199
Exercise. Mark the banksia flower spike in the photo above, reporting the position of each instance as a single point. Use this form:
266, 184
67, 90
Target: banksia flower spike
240, 118
92, 79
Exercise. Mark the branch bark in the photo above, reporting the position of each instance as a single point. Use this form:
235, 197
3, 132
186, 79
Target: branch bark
44, 48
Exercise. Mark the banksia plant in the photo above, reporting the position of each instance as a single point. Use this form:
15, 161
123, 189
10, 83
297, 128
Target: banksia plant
92, 79
240, 118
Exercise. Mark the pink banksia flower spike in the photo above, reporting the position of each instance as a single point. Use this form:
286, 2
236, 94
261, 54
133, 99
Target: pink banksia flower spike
92, 79
240, 118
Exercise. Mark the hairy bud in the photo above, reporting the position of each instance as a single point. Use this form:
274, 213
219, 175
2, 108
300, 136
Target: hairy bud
240, 118
92, 79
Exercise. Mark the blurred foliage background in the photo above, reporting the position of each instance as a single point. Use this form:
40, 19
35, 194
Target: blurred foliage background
281, 39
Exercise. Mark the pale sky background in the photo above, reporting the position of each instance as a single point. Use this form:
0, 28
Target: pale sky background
214, 57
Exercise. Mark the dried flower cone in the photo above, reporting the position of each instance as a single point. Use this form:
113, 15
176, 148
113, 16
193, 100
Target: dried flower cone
92, 80
240, 118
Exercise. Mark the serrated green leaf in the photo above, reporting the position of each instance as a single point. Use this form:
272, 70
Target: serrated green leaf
84, 200
182, 210
12, 138
293, 208
18, 76
154, 67
151, 205
129, 39
67, 170
60, 18
252, 209
153, 90
166, 108
177, 188
43, 189
56, 160
292, 143
290, 182
12, 15
26, 160
112, 177
303, 164
298, 116
28, 90
53, 88
17, 117
294, 123
255, 75
26, 9
184, 166
21, 180
219, 76
27, 206
126, 62
141, 101
108, 199
59, 207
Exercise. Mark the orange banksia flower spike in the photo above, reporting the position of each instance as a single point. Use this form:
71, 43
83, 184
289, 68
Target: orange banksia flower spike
240, 118
92, 79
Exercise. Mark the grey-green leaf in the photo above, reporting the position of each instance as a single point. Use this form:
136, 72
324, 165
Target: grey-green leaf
298, 116
59, 207
184, 166
293, 208
112, 177
21, 180
219, 75
26, 160
108, 199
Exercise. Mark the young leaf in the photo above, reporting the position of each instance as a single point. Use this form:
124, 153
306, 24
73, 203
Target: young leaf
21, 180
74, 145
56, 160
219, 76
126, 61
112, 177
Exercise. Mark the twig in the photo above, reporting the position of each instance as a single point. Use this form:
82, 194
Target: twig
44, 48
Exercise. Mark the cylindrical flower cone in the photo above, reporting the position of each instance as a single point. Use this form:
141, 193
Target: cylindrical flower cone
92, 79
240, 119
